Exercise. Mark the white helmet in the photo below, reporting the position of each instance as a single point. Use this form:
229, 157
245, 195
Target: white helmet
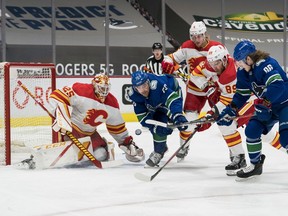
197, 28
217, 52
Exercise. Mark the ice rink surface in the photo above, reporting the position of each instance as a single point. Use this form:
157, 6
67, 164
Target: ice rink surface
196, 187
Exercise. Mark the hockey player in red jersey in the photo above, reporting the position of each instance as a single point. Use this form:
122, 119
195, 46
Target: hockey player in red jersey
193, 51
91, 105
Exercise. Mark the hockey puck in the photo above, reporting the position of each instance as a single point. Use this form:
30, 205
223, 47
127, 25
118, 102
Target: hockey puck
138, 131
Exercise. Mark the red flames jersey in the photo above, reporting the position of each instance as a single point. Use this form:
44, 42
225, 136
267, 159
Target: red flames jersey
88, 112
193, 56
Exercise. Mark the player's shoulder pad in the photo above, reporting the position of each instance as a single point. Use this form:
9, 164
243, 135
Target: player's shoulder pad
264, 62
229, 74
214, 43
188, 44
112, 101
83, 89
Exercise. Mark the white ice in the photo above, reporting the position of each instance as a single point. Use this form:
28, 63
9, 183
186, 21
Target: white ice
198, 186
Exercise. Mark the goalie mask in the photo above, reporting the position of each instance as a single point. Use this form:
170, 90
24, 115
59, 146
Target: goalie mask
102, 86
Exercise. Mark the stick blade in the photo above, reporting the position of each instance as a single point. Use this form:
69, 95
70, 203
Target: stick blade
143, 177
110, 164
154, 122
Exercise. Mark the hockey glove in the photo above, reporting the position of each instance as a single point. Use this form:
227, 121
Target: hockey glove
209, 116
167, 67
263, 109
213, 93
161, 131
226, 116
180, 119
132, 152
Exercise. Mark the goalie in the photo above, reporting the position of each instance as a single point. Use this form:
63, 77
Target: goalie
83, 107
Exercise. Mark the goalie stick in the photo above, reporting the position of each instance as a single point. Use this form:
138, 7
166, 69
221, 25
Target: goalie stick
142, 177
68, 133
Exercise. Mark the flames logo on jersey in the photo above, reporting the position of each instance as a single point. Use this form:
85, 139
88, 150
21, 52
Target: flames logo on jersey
95, 117
191, 64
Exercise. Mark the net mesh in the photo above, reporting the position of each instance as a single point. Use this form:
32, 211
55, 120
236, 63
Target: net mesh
29, 123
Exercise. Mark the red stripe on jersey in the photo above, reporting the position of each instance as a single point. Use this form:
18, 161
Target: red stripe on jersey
116, 129
60, 96
225, 100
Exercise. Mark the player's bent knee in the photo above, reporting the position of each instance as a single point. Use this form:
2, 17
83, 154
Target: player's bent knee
253, 130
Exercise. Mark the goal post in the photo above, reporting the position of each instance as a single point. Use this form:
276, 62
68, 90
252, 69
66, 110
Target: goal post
23, 123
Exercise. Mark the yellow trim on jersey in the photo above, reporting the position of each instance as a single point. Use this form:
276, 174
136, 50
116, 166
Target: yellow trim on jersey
246, 107
225, 100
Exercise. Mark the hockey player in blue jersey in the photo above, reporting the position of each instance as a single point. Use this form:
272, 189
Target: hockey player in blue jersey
158, 98
260, 74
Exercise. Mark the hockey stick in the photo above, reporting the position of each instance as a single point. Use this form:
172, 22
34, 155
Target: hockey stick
142, 177
199, 121
68, 133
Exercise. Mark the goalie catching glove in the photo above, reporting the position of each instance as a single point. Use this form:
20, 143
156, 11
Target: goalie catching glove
132, 152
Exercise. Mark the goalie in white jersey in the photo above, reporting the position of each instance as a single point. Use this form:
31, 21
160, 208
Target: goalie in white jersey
89, 105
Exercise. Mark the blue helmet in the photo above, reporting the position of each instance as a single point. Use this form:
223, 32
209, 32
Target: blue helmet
243, 49
138, 78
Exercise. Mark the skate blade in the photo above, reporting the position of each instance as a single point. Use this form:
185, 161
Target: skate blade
249, 179
149, 167
179, 160
231, 172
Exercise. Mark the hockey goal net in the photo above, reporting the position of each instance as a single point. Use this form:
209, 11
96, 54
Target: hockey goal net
23, 123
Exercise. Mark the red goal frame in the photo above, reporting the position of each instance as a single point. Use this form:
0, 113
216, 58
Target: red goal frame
7, 97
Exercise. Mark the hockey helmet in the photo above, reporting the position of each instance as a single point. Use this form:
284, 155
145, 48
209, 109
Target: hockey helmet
157, 46
101, 85
138, 78
243, 49
217, 52
197, 28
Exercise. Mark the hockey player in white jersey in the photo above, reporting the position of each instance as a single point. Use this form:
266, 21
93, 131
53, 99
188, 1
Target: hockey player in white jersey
85, 107
193, 52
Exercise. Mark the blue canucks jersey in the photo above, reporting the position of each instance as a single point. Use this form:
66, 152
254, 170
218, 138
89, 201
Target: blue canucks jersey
266, 80
165, 96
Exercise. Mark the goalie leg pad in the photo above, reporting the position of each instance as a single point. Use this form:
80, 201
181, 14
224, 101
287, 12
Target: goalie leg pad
100, 154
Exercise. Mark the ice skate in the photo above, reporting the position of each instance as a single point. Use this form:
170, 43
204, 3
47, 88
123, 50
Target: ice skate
237, 163
154, 159
252, 170
182, 153
27, 163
